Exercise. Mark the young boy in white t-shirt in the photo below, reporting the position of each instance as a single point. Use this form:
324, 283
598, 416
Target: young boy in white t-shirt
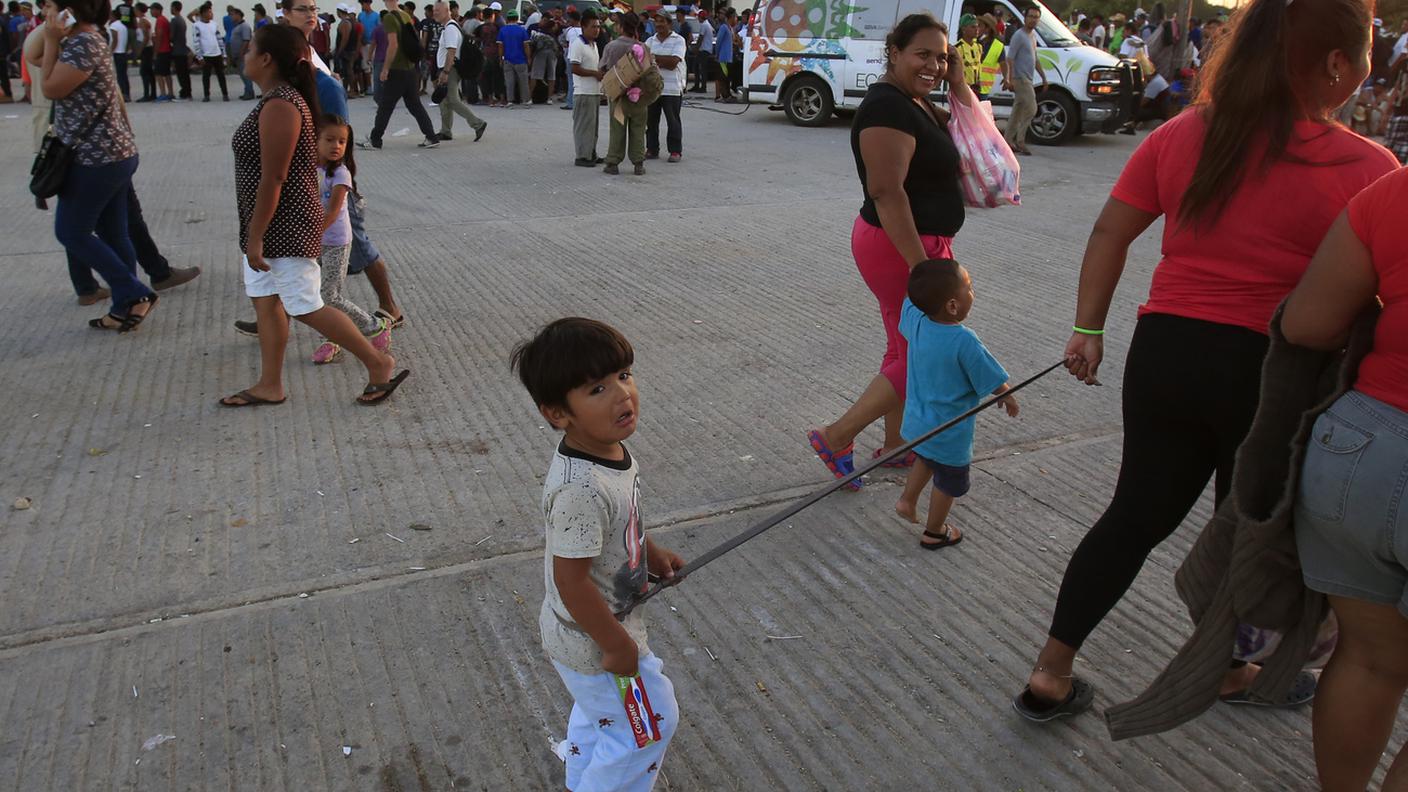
598, 559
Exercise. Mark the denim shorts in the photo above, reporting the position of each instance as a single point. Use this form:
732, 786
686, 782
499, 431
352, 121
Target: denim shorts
951, 480
364, 253
1351, 529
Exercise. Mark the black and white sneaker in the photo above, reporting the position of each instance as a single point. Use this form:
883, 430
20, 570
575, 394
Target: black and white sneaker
368, 143
430, 142
247, 328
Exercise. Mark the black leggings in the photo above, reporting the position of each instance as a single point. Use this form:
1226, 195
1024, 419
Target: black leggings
1190, 391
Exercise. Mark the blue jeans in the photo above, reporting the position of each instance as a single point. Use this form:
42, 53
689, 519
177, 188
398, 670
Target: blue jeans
149, 257
91, 224
570, 91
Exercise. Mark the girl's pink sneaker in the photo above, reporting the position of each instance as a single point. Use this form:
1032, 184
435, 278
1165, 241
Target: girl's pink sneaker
382, 340
326, 353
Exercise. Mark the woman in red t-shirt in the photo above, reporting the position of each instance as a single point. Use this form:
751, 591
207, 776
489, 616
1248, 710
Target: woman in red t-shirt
1351, 522
1249, 180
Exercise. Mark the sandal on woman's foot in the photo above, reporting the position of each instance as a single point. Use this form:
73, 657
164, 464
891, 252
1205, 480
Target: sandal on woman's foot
905, 461
106, 322
393, 322
132, 320
380, 392
945, 539
326, 352
247, 399
840, 463
1034, 709
1302, 692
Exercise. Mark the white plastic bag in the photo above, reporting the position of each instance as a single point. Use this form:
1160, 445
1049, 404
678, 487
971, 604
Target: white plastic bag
988, 170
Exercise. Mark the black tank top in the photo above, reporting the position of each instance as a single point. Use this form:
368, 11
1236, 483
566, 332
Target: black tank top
296, 228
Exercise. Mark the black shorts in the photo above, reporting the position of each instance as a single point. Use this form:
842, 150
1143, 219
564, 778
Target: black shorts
163, 64
950, 480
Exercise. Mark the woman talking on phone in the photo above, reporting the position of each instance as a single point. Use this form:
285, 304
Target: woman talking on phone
89, 117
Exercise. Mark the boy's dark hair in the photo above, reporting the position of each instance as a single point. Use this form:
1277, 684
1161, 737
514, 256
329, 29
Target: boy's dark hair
933, 283
569, 353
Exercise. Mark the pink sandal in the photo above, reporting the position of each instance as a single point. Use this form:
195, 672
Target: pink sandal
906, 461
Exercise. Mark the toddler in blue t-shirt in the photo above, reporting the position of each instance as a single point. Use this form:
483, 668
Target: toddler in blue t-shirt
949, 370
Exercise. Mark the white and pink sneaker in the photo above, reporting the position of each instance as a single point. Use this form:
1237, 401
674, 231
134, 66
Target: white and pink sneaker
326, 353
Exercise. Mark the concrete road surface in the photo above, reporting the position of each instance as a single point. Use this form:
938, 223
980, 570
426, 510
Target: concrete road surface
324, 597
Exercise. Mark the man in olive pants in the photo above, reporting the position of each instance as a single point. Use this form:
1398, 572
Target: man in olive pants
1021, 54
584, 62
627, 136
451, 45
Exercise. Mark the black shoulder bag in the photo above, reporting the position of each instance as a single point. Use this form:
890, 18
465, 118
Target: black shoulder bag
50, 169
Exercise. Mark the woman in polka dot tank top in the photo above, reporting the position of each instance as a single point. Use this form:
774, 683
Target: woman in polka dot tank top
281, 220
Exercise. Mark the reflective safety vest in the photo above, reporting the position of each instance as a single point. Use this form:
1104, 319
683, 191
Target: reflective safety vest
971, 52
990, 67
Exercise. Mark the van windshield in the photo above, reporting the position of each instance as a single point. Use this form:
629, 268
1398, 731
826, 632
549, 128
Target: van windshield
1054, 32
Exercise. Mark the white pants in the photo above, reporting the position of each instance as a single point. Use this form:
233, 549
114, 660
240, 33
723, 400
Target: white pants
602, 751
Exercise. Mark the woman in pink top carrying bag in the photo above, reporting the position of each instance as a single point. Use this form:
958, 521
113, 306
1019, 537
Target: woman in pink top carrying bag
1248, 181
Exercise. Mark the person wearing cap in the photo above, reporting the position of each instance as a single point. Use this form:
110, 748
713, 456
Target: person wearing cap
971, 51
398, 82
1116, 33
513, 43
669, 49
703, 53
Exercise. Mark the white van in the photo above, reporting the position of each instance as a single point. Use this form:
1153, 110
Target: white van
810, 57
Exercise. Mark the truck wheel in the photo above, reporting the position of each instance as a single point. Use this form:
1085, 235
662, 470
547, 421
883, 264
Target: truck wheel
1057, 118
808, 101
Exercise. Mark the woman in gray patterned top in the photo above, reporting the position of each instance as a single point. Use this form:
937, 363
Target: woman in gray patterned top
89, 117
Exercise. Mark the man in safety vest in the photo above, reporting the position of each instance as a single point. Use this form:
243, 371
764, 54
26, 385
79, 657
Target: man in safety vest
971, 51
991, 60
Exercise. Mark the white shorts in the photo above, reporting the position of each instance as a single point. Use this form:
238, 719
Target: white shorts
602, 751
297, 282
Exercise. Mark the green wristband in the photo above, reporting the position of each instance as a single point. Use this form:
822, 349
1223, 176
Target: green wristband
1084, 331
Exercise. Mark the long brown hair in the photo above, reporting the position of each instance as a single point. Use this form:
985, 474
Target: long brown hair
288, 49
1257, 84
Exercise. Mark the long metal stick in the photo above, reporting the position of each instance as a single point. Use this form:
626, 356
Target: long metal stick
790, 511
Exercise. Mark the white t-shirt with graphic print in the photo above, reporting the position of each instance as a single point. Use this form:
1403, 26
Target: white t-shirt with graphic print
591, 509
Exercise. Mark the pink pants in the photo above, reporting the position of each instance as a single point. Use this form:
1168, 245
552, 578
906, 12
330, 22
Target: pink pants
885, 271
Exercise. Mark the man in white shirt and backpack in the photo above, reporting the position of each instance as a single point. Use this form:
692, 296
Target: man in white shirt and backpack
451, 50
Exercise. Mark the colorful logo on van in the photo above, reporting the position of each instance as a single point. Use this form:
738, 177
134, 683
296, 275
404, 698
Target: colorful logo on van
800, 28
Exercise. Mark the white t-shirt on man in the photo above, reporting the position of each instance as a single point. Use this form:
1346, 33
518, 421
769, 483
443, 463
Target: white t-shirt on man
449, 37
584, 54
672, 46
